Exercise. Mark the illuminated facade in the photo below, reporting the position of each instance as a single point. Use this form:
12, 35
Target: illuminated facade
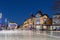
39, 21
12, 26
28, 24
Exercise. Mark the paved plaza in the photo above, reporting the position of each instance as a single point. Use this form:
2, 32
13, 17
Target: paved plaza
29, 35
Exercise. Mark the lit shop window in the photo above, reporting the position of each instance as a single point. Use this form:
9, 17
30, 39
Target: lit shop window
54, 27
38, 26
38, 22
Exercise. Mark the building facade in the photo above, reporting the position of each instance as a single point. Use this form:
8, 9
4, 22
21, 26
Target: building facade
0, 21
41, 21
38, 22
56, 21
12, 26
28, 24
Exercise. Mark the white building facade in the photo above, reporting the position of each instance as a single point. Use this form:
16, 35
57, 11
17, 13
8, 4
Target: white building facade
12, 25
56, 22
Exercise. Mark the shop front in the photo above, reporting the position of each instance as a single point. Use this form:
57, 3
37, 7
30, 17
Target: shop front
38, 27
45, 28
30, 27
57, 28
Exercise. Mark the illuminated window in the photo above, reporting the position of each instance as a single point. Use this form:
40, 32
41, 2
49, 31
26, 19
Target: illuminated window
44, 19
37, 16
38, 22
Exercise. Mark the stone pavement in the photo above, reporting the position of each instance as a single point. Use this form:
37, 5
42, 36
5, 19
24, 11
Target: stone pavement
26, 35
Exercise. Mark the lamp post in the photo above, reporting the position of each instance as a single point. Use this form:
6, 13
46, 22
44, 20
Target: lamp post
6, 23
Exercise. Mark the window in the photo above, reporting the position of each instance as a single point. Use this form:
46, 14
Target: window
38, 22
56, 21
37, 16
44, 19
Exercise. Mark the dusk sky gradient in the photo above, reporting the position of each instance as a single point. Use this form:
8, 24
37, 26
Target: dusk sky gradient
19, 10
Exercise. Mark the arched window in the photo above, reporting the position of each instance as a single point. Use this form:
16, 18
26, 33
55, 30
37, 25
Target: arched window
37, 21
44, 19
37, 16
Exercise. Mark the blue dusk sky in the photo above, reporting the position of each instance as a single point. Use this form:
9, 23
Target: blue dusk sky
19, 10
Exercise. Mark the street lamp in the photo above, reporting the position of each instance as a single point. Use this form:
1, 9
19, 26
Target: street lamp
6, 23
